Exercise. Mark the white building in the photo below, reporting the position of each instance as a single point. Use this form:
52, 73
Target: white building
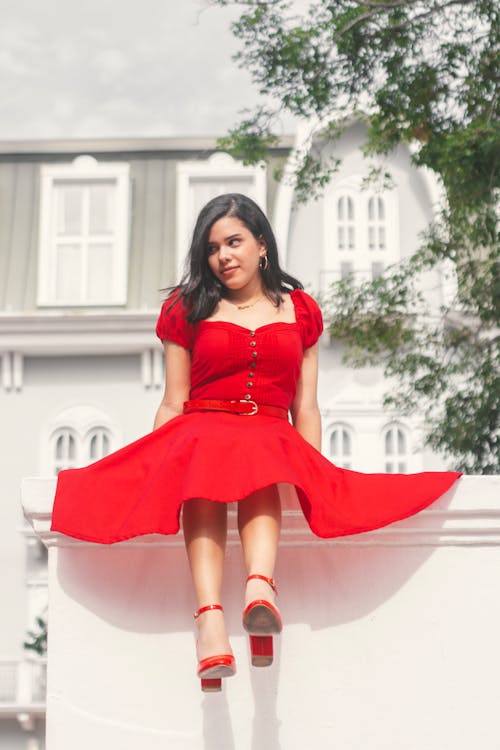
89, 234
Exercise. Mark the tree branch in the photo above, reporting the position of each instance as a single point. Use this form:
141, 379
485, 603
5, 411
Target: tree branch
379, 8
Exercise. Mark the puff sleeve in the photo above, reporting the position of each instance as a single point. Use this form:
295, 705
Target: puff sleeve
309, 317
172, 324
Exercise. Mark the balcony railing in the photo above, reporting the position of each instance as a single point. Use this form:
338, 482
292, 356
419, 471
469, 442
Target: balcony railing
22, 690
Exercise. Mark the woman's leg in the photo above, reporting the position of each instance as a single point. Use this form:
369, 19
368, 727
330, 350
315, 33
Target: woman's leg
259, 524
205, 530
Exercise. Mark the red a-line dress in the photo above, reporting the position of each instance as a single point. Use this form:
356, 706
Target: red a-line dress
224, 457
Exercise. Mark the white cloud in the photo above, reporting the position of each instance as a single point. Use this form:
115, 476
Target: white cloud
86, 70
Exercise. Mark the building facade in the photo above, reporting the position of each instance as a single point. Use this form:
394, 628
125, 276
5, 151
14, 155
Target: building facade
90, 233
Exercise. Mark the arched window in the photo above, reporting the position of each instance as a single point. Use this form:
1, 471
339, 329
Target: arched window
98, 444
346, 238
64, 449
395, 443
376, 223
340, 446
79, 436
360, 231
377, 235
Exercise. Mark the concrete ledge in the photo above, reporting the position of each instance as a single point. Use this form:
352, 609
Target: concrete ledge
467, 515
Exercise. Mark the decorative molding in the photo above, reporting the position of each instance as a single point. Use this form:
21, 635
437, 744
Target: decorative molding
118, 145
468, 515
47, 335
286, 191
12, 371
152, 368
158, 369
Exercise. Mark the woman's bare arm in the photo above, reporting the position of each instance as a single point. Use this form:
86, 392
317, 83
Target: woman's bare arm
177, 383
306, 417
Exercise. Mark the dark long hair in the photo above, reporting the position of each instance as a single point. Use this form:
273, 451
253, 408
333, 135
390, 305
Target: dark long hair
199, 288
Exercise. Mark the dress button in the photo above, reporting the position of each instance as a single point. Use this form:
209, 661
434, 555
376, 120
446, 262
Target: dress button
253, 365
253, 343
251, 374
254, 354
247, 397
249, 384
252, 333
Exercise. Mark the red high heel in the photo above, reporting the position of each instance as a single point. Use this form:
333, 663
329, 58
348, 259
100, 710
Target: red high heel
212, 669
261, 619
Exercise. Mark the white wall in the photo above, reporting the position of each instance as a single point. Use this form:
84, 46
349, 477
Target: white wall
389, 640
355, 396
51, 385
414, 206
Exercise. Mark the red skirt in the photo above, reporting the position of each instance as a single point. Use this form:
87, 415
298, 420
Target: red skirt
140, 488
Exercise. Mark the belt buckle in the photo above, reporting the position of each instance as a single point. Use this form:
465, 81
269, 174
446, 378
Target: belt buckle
255, 408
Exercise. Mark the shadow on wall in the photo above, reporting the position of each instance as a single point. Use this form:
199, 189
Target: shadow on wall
147, 589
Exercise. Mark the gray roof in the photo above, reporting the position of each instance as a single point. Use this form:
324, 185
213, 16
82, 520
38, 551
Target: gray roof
153, 163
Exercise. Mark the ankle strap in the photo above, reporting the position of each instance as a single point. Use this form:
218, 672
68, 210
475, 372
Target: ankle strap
270, 581
207, 609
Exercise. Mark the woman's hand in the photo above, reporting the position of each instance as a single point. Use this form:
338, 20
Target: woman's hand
177, 383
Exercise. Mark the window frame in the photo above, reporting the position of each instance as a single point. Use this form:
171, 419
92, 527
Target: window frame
69, 436
397, 458
83, 170
83, 423
361, 257
219, 167
339, 459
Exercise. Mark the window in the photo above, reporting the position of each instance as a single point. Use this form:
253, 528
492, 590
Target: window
376, 224
83, 233
360, 231
340, 445
71, 450
64, 449
346, 269
200, 181
98, 444
395, 442
78, 436
345, 224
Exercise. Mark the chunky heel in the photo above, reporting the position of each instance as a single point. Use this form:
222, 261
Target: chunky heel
261, 650
261, 619
211, 685
212, 669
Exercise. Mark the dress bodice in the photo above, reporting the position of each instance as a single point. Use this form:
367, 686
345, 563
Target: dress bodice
229, 361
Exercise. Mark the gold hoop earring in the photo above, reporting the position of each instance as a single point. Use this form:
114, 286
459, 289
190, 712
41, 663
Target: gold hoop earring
263, 265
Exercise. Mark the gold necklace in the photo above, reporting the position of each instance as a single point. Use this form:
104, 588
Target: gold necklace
246, 307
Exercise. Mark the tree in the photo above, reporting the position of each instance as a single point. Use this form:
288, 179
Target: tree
425, 73
37, 639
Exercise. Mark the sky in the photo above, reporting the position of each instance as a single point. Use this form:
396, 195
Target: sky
118, 68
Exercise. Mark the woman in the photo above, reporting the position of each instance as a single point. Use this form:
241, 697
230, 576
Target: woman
240, 338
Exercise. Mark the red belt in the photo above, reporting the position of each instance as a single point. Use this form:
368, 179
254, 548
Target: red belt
241, 407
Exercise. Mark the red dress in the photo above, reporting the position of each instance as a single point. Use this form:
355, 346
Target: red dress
224, 457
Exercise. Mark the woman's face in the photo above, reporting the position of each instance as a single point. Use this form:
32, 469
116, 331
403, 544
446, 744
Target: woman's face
234, 254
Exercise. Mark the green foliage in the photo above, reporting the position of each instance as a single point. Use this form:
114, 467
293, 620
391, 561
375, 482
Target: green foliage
426, 73
446, 363
37, 638
250, 141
